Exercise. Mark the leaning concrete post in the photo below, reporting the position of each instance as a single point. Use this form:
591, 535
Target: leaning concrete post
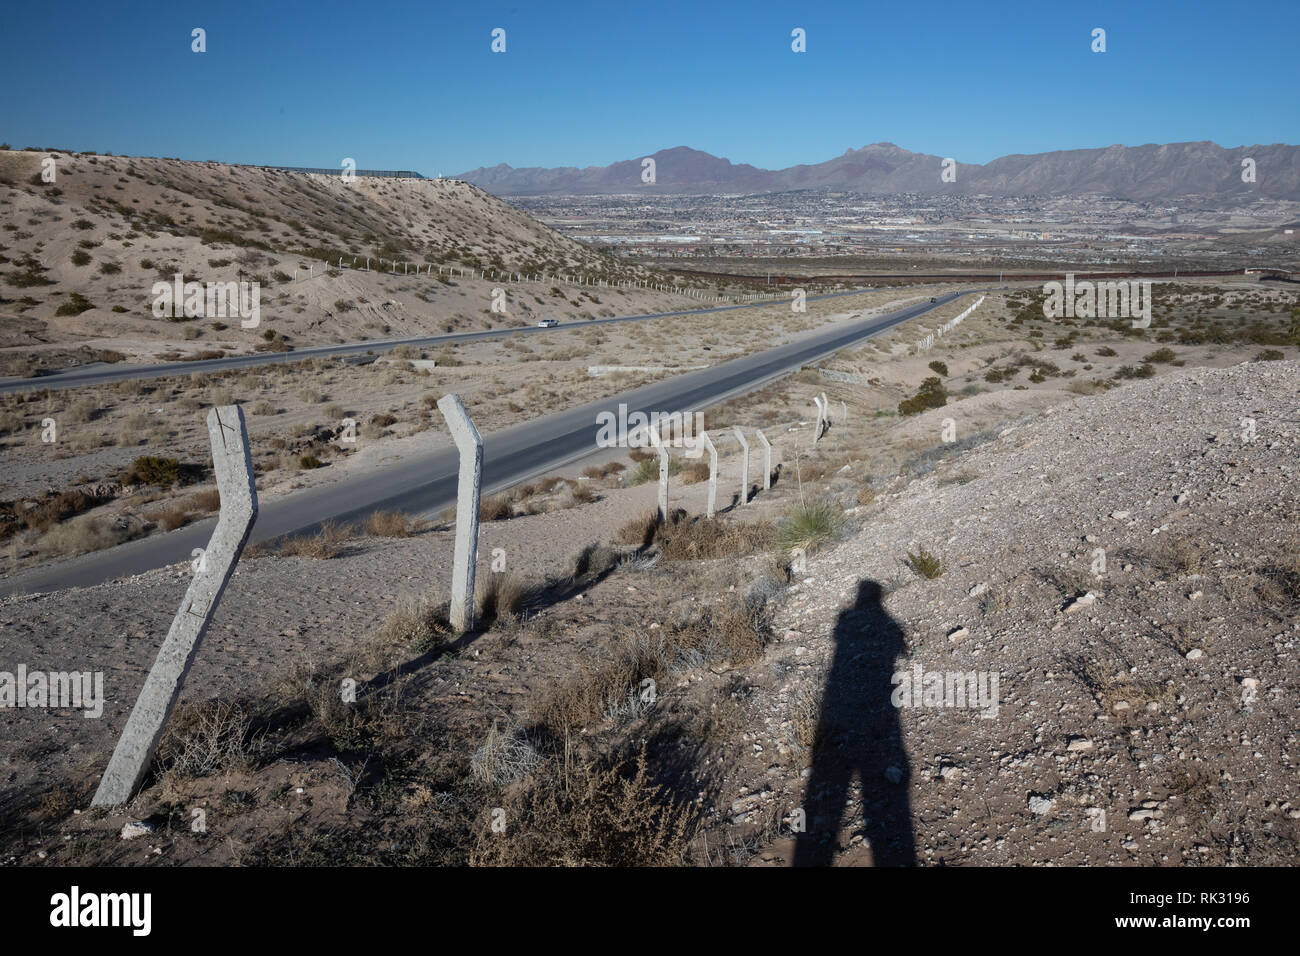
144, 728
767, 459
744, 466
826, 407
468, 496
817, 432
713, 475
657, 442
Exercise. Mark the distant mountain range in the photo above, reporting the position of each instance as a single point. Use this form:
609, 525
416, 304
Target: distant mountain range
1152, 172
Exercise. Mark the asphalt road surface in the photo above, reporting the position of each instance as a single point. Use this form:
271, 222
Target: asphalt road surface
100, 373
426, 484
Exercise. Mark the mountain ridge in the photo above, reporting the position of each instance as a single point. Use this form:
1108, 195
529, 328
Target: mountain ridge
1150, 172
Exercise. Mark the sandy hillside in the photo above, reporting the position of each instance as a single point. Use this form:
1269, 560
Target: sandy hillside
80, 256
1151, 722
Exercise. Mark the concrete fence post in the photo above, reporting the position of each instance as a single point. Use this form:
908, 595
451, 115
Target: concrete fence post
469, 490
744, 466
817, 431
767, 459
144, 728
657, 442
844, 412
712, 506
826, 407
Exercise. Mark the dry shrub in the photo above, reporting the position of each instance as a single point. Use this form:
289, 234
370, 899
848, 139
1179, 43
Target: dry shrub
501, 595
596, 559
64, 505
1172, 555
495, 508
582, 494
639, 531
418, 624
173, 516
640, 454
88, 533
205, 739
605, 470
389, 524
209, 500
325, 544
596, 686
547, 485
695, 472
504, 757
684, 538
595, 814
732, 631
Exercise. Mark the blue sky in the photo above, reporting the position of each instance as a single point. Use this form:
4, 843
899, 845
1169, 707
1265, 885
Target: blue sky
416, 86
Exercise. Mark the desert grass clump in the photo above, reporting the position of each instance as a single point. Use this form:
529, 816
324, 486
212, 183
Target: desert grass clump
85, 534
581, 494
207, 500
420, 625
173, 516
389, 524
495, 508
809, 525
504, 757
925, 564
325, 544
502, 595
639, 531
594, 559
684, 538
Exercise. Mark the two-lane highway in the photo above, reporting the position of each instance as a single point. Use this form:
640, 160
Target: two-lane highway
98, 373
426, 483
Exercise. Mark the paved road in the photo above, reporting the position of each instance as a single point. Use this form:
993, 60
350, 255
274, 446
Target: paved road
426, 484
99, 373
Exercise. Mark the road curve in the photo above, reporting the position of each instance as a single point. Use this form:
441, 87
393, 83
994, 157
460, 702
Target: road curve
99, 373
426, 483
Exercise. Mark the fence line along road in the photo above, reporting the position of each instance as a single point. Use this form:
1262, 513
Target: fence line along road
426, 484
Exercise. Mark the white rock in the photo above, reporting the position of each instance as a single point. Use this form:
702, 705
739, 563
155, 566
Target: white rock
1195, 654
1039, 805
136, 829
1086, 601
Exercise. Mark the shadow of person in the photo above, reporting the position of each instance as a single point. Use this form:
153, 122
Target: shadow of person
858, 734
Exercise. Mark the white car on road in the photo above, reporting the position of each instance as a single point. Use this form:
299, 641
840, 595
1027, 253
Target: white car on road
548, 323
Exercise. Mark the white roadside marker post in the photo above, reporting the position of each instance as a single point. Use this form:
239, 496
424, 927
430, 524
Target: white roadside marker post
744, 466
767, 460
469, 491
713, 475
144, 728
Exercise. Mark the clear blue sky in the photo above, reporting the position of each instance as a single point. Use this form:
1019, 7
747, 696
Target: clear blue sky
415, 85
